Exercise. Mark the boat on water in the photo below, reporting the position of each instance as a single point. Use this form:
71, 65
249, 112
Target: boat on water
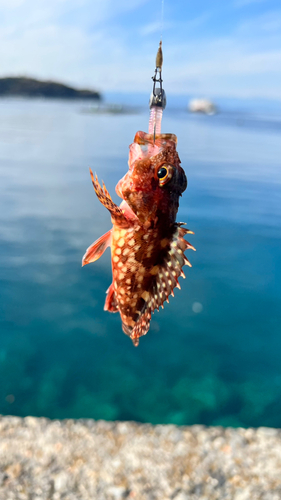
202, 106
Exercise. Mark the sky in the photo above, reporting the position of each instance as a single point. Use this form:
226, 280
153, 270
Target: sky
223, 48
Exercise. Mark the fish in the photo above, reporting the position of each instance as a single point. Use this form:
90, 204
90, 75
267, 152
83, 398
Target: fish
147, 244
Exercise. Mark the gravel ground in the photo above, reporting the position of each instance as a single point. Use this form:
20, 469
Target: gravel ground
88, 460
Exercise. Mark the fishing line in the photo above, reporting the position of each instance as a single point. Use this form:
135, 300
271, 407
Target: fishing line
162, 19
157, 102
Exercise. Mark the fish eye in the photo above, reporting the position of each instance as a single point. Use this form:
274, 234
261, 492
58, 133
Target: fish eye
162, 173
165, 173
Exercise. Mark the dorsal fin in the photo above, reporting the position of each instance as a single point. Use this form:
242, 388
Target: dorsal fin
171, 269
166, 279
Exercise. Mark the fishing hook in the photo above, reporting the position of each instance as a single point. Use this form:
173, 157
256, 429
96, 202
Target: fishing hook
157, 102
158, 96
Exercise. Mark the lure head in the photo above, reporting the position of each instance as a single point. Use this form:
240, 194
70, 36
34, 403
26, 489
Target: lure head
155, 179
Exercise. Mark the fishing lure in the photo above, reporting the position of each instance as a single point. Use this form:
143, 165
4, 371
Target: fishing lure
147, 244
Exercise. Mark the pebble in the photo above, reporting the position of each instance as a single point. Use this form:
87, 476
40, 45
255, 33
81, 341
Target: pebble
116, 493
96, 460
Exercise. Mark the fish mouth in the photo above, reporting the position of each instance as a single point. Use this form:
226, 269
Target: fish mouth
160, 140
149, 145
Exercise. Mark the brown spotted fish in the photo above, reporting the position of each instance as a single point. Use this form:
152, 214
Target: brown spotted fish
147, 244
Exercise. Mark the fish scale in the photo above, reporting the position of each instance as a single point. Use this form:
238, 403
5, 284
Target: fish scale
147, 245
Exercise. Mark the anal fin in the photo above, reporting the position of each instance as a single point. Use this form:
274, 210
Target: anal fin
95, 251
110, 301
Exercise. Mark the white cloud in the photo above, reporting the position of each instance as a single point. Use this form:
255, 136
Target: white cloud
83, 43
266, 24
151, 28
69, 40
186, 25
23, 13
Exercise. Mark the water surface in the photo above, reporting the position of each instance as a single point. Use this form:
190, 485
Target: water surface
212, 355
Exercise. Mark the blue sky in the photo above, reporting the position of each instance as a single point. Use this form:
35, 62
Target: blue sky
216, 48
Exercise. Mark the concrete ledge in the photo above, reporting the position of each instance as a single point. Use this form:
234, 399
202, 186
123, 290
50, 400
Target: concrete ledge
96, 460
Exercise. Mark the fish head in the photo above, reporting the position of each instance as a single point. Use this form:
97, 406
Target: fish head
155, 180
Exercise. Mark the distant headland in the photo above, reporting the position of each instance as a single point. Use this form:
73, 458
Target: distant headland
29, 87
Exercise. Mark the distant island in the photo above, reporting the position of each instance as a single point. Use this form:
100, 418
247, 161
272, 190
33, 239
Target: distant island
29, 87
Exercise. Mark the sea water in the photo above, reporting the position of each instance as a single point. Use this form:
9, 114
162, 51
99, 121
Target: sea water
213, 355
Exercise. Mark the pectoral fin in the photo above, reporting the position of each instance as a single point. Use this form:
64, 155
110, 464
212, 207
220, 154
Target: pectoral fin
95, 251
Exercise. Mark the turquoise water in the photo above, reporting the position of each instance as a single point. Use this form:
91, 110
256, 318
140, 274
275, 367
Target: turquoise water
213, 355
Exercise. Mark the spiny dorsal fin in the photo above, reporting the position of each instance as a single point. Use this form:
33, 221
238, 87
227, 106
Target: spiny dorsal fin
167, 277
165, 281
